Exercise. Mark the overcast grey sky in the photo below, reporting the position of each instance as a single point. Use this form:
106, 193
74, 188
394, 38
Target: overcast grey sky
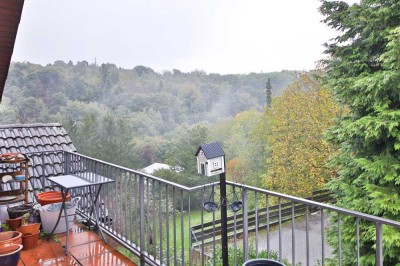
218, 36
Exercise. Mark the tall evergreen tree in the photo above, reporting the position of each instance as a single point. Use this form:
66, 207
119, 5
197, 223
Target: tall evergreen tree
268, 94
363, 72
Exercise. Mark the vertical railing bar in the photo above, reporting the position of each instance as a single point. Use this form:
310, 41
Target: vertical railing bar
235, 239
126, 211
323, 237
103, 192
307, 238
182, 232
256, 220
122, 178
147, 201
161, 219
114, 200
167, 221
190, 230
268, 236
378, 244
245, 227
293, 238
154, 217
135, 204
121, 213
202, 227
174, 222
108, 195
104, 195
339, 240
42, 178
280, 228
117, 172
112, 175
136, 194
142, 225
213, 216
130, 209
358, 240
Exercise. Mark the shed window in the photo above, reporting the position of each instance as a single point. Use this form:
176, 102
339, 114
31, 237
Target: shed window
216, 164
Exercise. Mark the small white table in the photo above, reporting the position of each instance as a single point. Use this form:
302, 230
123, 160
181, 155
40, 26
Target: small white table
66, 182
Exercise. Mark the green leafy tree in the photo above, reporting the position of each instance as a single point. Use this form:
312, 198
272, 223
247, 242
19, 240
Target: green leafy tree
295, 136
363, 72
29, 110
244, 153
182, 152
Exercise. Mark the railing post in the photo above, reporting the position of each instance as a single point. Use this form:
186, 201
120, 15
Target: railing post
142, 209
66, 162
224, 220
379, 253
245, 227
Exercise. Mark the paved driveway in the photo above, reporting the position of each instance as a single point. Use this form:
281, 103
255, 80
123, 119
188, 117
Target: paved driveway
314, 227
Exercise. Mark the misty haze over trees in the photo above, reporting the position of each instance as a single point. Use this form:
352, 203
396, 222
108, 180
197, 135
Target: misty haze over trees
135, 117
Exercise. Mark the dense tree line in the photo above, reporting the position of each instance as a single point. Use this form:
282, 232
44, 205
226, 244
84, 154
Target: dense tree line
133, 117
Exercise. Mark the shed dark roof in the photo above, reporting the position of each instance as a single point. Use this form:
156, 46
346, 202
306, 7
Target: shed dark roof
211, 150
31, 138
10, 16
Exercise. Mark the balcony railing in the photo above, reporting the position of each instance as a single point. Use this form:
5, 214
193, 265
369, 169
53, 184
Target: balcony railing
163, 223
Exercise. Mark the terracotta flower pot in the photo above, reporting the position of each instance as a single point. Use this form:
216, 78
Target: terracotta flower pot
49, 197
7, 248
10, 237
10, 254
29, 228
14, 223
29, 241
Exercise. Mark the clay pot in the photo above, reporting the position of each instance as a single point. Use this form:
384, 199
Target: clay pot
7, 248
10, 254
13, 237
14, 223
29, 228
29, 241
50, 197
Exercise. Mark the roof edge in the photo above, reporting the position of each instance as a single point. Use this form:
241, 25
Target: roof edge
30, 125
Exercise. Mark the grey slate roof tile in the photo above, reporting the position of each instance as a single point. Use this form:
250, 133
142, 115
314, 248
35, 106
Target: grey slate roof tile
28, 138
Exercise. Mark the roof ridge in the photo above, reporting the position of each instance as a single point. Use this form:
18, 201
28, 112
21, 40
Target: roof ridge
30, 125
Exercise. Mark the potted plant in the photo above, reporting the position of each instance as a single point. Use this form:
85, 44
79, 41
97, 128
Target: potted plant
27, 227
30, 233
14, 223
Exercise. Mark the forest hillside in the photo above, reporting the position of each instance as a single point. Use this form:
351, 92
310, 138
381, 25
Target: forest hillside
135, 117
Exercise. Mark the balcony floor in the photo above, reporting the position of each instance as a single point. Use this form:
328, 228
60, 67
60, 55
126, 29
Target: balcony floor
85, 248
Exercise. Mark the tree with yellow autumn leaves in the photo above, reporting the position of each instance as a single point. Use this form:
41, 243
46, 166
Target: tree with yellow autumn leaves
296, 123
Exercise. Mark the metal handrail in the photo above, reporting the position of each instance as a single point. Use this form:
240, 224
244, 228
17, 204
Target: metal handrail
361, 215
153, 202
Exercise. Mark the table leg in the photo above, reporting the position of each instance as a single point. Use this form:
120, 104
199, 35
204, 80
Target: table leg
66, 221
59, 215
94, 209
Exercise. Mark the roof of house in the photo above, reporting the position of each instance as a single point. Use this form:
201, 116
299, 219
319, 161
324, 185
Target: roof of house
155, 167
10, 16
33, 139
211, 150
